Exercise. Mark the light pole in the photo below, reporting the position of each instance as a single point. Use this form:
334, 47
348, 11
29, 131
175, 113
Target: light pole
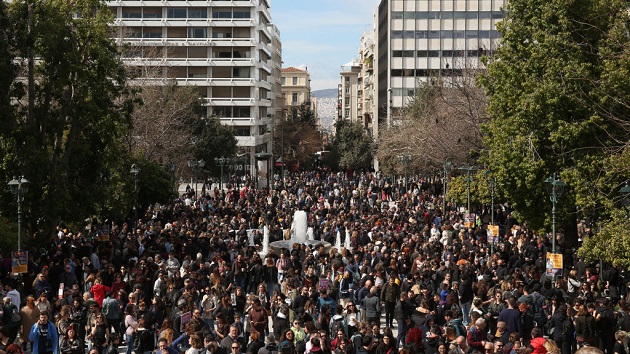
222, 161
491, 184
555, 188
195, 165
282, 152
447, 165
468, 168
405, 159
170, 167
19, 187
135, 170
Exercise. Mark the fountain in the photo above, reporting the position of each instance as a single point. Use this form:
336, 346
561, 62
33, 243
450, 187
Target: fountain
265, 248
338, 241
300, 233
346, 242
250, 236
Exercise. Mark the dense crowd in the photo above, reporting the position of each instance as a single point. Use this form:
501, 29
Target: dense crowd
418, 278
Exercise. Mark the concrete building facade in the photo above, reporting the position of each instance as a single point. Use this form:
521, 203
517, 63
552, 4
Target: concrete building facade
417, 40
229, 50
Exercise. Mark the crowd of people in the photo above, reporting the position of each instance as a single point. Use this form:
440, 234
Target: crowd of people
419, 277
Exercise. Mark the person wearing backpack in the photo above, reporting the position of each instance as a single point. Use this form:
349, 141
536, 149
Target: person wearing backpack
11, 318
563, 329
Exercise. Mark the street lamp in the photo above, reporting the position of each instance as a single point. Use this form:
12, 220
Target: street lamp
405, 159
222, 161
135, 170
555, 188
447, 166
468, 168
491, 184
195, 165
19, 187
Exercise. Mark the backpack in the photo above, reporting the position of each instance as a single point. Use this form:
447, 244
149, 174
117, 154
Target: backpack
459, 329
567, 326
140, 339
537, 309
336, 326
15, 315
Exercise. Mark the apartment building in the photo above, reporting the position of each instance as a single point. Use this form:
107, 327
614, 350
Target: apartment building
296, 89
350, 92
417, 40
229, 50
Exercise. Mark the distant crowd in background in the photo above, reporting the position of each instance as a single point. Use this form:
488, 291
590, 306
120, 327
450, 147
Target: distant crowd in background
418, 278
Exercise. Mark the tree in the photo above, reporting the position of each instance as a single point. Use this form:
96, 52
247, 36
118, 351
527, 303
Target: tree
352, 145
211, 140
545, 84
299, 137
442, 121
64, 129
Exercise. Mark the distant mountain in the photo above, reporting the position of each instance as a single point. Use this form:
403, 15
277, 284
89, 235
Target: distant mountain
326, 107
327, 93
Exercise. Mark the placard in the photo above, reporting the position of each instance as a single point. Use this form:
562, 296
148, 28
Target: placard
554, 263
19, 261
186, 317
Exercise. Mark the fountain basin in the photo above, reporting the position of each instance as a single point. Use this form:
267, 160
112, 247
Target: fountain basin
288, 244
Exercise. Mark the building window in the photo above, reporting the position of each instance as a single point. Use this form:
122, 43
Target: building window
347, 113
242, 112
197, 32
295, 81
242, 14
347, 101
176, 12
197, 13
242, 131
294, 97
284, 80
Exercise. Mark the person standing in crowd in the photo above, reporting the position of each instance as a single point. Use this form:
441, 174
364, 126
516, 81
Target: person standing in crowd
389, 295
44, 336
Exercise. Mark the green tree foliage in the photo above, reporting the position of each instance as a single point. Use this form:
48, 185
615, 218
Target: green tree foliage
353, 145
545, 85
69, 132
611, 244
212, 139
300, 134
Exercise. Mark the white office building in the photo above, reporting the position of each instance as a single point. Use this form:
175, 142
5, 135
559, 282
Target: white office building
230, 50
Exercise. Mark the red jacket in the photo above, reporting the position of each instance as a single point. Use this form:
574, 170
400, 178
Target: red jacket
99, 291
537, 345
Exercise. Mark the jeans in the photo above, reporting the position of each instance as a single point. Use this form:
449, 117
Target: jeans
129, 339
466, 312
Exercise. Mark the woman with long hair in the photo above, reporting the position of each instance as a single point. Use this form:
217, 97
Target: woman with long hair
584, 327
143, 338
71, 343
99, 334
386, 346
195, 344
167, 331
64, 320
131, 324
287, 340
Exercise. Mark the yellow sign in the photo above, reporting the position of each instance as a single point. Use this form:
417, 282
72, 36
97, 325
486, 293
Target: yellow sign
19, 262
494, 229
554, 263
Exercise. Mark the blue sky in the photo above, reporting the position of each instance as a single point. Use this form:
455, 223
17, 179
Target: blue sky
322, 35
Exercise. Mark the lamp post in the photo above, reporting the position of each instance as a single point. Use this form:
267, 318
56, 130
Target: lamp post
447, 165
468, 168
19, 187
282, 153
222, 161
195, 165
555, 188
491, 184
170, 167
135, 170
405, 159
